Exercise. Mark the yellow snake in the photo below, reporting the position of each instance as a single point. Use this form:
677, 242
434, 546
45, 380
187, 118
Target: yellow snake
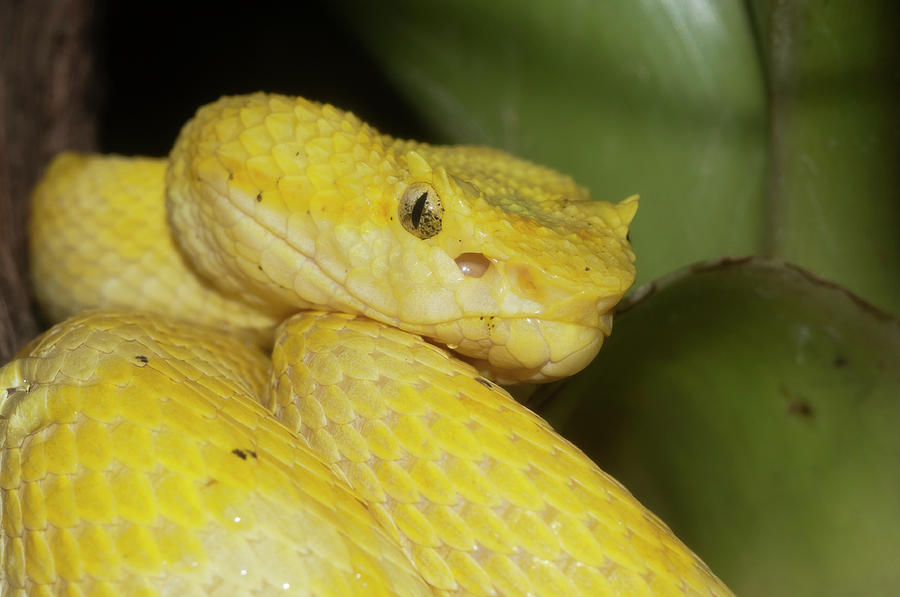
154, 448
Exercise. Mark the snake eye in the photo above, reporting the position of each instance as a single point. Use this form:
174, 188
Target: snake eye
421, 211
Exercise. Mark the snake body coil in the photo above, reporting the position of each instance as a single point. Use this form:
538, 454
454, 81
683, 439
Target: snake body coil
153, 449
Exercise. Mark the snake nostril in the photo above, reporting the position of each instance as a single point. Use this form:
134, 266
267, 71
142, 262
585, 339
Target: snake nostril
472, 265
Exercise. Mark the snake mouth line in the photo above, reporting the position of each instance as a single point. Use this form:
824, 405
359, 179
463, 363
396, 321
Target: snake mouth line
471, 265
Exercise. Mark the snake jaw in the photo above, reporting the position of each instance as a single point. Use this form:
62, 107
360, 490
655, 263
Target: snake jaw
527, 333
537, 273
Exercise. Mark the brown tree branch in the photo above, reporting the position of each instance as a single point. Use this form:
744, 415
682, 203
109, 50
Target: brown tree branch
47, 104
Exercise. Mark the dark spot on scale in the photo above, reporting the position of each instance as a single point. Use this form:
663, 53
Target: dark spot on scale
142, 358
260, 267
297, 154
587, 269
242, 454
259, 196
230, 175
801, 408
418, 208
841, 361
484, 382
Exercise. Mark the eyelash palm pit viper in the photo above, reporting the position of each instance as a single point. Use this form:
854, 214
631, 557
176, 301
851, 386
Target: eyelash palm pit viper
266, 403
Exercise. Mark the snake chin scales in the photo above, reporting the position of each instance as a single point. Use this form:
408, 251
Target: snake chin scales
251, 389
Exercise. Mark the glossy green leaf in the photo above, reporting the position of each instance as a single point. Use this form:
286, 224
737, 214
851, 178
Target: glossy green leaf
835, 149
756, 410
664, 99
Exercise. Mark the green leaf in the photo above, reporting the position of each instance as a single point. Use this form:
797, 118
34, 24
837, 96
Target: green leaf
835, 147
755, 409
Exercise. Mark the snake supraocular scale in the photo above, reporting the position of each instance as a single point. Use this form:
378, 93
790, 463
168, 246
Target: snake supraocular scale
153, 448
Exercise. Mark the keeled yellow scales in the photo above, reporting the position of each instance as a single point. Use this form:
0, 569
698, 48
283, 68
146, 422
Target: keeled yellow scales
418, 477
137, 460
99, 238
481, 493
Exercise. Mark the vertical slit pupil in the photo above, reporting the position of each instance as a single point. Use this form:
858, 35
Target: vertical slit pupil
418, 208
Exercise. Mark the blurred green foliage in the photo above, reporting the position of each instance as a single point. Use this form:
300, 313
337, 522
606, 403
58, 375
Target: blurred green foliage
834, 146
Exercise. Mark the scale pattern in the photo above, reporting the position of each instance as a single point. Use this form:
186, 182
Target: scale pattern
136, 460
99, 238
483, 495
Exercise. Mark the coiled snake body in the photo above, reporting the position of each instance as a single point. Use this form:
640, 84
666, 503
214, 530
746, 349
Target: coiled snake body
154, 448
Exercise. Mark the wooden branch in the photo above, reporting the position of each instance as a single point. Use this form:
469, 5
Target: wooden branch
48, 103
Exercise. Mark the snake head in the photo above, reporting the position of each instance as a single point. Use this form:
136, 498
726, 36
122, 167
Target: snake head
289, 204
535, 266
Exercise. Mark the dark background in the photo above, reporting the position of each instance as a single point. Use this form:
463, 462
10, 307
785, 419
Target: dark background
158, 62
